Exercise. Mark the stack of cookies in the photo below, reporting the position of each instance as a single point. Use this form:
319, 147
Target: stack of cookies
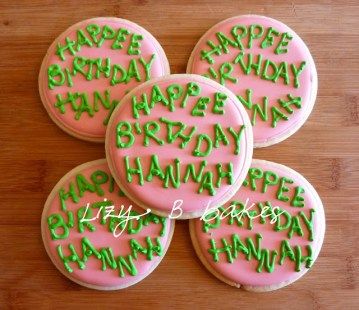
181, 147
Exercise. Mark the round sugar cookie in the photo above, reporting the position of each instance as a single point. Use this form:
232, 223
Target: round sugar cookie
178, 144
268, 235
90, 67
267, 66
96, 236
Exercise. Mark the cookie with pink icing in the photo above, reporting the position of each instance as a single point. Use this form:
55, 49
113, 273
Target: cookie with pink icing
268, 235
90, 67
267, 66
178, 144
96, 236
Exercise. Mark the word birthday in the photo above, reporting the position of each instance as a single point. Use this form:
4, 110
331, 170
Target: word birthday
97, 68
175, 132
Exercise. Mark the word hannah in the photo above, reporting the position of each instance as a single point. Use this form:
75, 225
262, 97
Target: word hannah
171, 174
106, 256
267, 259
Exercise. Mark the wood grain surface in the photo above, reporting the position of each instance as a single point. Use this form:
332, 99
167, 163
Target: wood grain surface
35, 154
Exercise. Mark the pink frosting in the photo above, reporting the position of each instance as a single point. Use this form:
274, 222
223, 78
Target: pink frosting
153, 194
244, 272
93, 275
264, 134
87, 127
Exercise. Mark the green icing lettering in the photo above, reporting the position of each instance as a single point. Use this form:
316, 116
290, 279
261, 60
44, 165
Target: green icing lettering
191, 172
296, 72
93, 31
239, 32
128, 264
200, 106
284, 41
270, 179
227, 249
225, 41
82, 40
83, 185
254, 174
277, 115
197, 151
155, 169
55, 75
120, 38
237, 138
298, 200
69, 46
141, 105
133, 171
157, 96
133, 72
56, 222
225, 71
219, 136
308, 222
99, 177
172, 136
224, 174
255, 32
251, 65
219, 102
85, 213
215, 50
135, 45
66, 195
193, 89
124, 129
147, 66
269, 38
107, 34
206, 183
174, 92
291, 100
267, 260
169, 175
283, 189
150, 129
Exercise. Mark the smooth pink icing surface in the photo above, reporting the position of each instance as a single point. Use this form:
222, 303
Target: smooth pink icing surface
87, 126
102, 236
153, 194
244, 272
263, 133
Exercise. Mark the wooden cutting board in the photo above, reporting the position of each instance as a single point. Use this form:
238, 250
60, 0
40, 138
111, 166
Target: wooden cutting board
35, 153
